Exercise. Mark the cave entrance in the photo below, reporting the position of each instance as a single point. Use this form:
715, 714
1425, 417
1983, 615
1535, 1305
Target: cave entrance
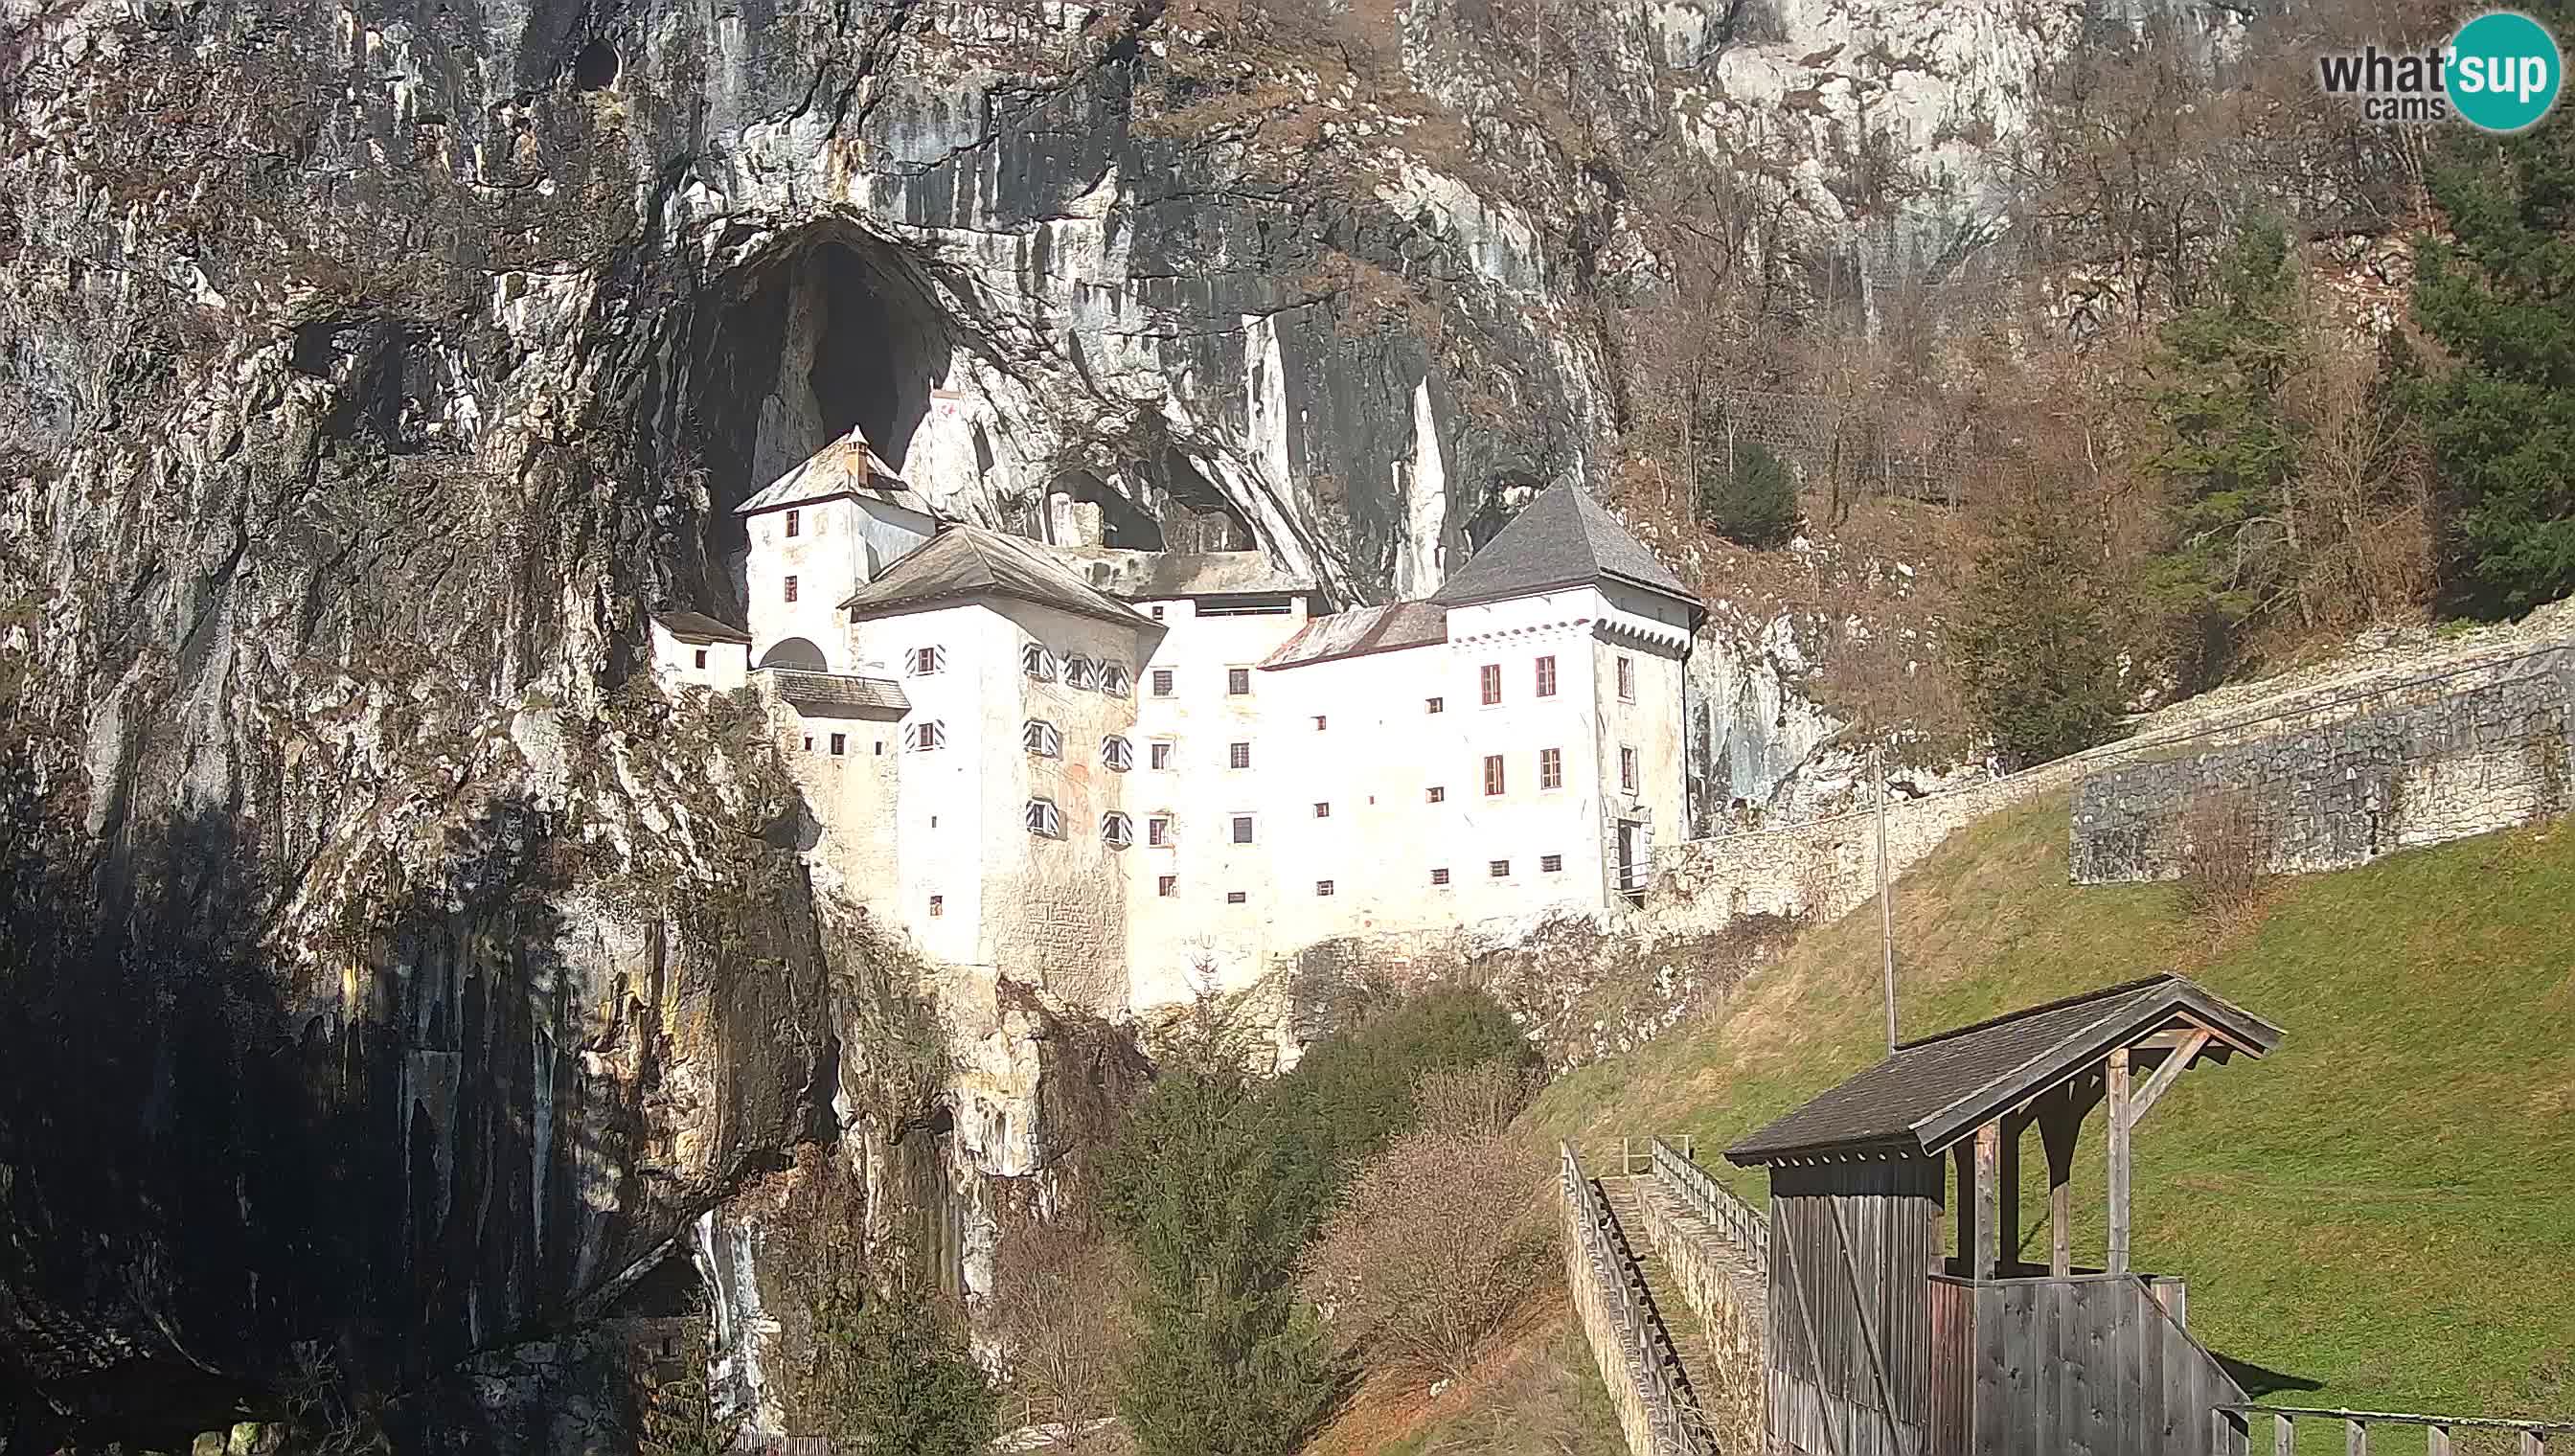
831, 330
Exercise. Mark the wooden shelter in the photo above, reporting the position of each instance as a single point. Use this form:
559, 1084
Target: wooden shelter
1883, 1341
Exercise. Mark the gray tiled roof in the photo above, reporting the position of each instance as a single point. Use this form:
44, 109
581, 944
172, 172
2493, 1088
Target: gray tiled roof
848, 465
1933, 1093
965, 562
698, 627
1561, 539
1362, 630
834, 695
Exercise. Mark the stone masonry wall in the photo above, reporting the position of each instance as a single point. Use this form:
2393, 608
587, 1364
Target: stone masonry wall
1730, 1306
2467, 763
1823, 869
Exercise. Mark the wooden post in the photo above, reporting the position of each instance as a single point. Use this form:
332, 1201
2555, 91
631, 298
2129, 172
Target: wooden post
2007, 1197
1989, 1223
2117, 1261
1963, 1157
2284, 1436
2355, 1439
2060, 1124
2436, 1441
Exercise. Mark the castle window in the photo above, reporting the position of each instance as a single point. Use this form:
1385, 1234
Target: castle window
1161, 756
795, 522
1492, 679
1237, 682
1497, 869
1319, 722
1322, 886
1080, 672
1038, 663
1115, 682
1042, 818
938, 905
1550, 863
1547, 677
1239, 756
1493, 774
1043, 738
1117, 831
1440, 876
880, 747
840, 744
1235, 897
1116, 752
1627, 680
1243, 828
809, 743
1435, 705
1323, 811
1157, 830
920, 737
1627, 770
1437, 793
1162, 682
1550, 767
702, 658
922, 662
791, 589
1168, 886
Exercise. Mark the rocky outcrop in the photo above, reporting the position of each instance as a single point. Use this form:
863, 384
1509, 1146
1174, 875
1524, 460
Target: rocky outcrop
394, 984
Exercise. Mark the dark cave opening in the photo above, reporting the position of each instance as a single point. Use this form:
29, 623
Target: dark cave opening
594, 69
832, 330
1195, 516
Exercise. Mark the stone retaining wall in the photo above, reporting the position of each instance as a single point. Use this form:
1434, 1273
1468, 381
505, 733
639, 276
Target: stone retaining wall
1825, 868
2487, 756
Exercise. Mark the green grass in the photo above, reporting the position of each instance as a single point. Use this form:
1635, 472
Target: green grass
2385, 1206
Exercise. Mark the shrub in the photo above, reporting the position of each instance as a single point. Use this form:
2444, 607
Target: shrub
2224, 851
1061, 1321
1438, 1239
1354, 1090
1750, 498
677, 1411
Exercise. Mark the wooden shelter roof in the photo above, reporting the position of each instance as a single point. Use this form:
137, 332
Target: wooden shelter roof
1933, 1092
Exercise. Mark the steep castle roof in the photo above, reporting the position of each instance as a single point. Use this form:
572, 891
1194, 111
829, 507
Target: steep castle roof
962, 562
1562, 538
698, 627
848, 465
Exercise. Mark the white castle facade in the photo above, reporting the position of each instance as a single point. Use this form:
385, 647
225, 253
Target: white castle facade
1121, 775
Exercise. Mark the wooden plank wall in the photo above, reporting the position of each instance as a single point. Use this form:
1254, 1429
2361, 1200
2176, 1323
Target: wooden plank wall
1851, 1246
2089, 1364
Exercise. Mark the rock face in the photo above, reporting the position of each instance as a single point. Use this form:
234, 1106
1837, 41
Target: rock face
398, 986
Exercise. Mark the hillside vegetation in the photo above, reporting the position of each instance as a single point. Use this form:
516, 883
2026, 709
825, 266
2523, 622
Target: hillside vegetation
2380, 1214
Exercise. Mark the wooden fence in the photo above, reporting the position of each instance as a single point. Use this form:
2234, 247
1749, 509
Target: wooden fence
1724, 1210
2090, 1362
2238, 1428
1657, 1409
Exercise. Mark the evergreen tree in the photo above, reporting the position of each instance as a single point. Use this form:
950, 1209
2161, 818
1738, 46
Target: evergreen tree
2229, 447
1750, 497
2033, 645
886, 1371
2502, 423
1229, 1363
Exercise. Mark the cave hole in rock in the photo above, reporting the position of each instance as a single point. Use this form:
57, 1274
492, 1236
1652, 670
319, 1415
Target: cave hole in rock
1194, 516
595, 68
1124, 522
671, 1289
1495, 508
828, 330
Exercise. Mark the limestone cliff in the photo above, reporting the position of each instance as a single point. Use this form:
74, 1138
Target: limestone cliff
397, 986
